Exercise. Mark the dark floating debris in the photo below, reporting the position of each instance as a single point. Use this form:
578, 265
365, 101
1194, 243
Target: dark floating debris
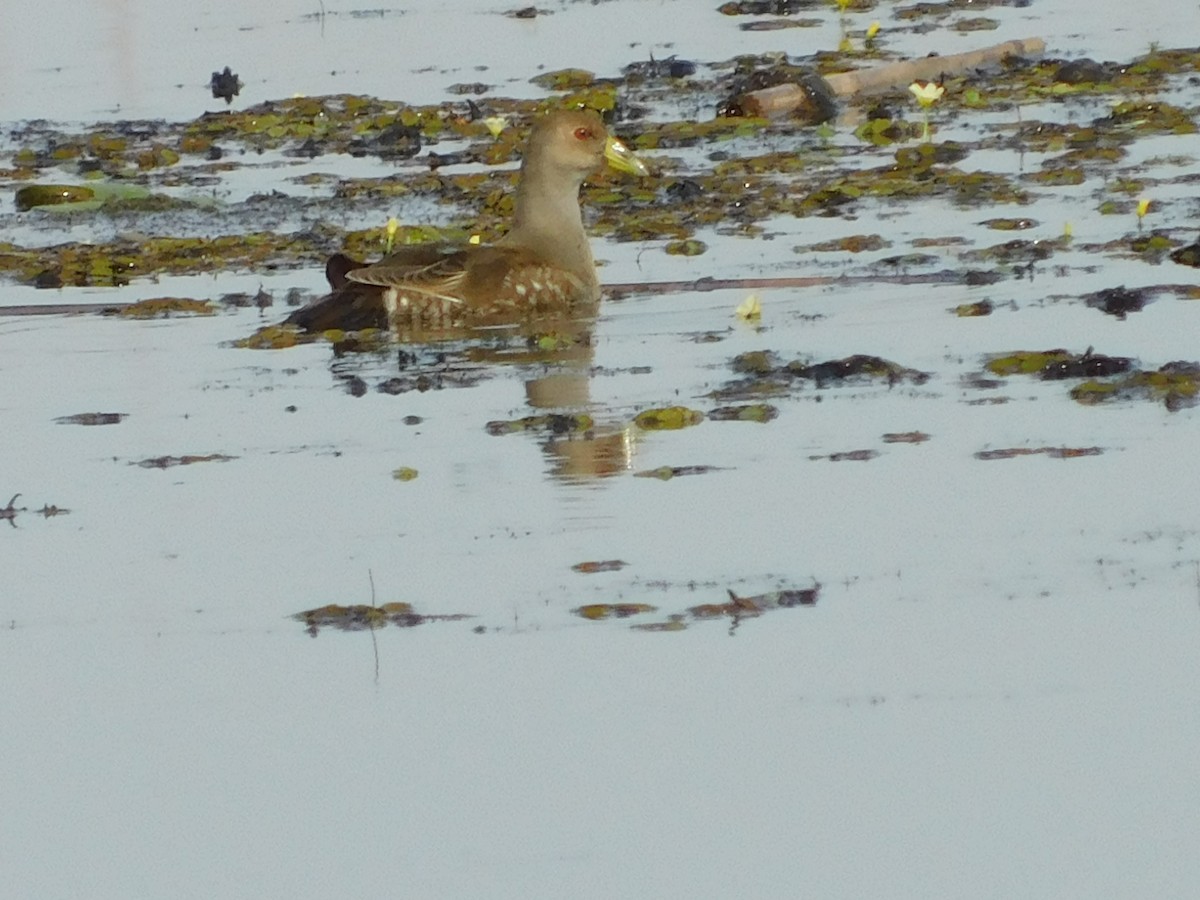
1090, 365
768, 375
905, 437
768, 7
753, 412
1055, 365
848, 456
225, 85
1118, 301
394, 142
92, 418
1176, 384
10, 512
167, 462
1084, 71
1052, 452
671, 67
551, 423
1188, 256
859, 366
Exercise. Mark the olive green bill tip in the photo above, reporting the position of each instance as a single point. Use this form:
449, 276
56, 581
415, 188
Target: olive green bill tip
623, 159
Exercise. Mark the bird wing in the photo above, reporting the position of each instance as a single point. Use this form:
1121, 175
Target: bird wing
432, 271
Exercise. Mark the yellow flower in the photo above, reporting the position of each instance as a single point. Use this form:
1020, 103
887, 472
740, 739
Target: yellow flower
843, 4
872, 31
927, 92
1143, 207
750, 309
495, 125
393, 226
474, 239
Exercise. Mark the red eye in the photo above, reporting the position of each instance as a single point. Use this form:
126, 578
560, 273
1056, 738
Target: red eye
583, 134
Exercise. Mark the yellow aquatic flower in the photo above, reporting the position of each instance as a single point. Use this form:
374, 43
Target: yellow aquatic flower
750, 309
872, 31
927, 92
393, 226
1143, 207
495, 125
474, 239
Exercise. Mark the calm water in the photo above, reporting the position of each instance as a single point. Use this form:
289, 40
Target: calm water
994, 695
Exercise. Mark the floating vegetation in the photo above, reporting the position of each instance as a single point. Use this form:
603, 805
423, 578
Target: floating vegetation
1187, 256
51, 195
668, 418
769, 376
1004, 224
360, 617
1054, 365
118, 262
738, 608
690, 247
120, 166
92, 418
974, 310
404, 473
1052, 452
1118, 301
1176, 385
593, 567
847, 456
552, 423
598, 611
167, 462
666, 473
275, 337
163, 307
752, 412
855, 243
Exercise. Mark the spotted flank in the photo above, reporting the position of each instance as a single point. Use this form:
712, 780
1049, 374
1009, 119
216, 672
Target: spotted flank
525, 291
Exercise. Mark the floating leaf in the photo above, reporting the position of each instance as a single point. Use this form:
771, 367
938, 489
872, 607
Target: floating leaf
607, 565
668, 418
597, 611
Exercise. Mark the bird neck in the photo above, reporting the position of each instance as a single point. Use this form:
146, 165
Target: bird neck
547, 219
